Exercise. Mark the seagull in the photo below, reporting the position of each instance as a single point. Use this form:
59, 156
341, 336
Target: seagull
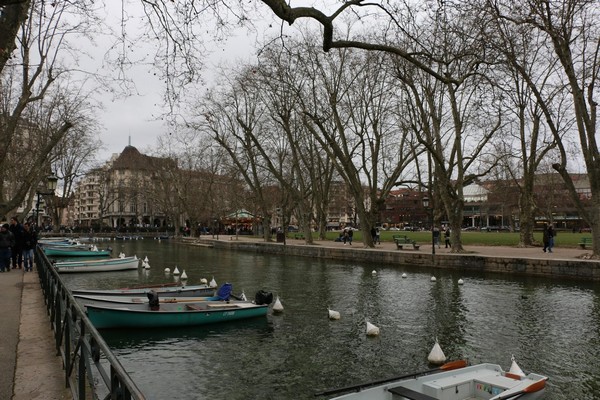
333, 314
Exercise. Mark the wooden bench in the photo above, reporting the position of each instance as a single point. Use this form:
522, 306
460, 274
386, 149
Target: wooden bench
403, 241
586, 241
299, 236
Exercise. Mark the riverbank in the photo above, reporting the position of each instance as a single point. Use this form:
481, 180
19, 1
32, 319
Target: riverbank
562, 263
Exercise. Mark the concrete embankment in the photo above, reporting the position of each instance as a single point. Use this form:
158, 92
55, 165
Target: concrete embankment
563, 263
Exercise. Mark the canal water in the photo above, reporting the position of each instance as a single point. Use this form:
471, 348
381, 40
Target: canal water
551, 327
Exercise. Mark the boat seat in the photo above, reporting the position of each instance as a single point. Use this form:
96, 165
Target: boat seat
409, 393
195, 307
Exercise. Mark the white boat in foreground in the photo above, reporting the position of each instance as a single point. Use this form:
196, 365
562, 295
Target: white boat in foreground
451, 381
111, 264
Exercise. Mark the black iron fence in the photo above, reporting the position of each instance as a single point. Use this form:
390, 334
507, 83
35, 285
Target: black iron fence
91, 369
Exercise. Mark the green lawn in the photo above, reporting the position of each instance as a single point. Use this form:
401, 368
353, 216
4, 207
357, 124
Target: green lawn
563, 238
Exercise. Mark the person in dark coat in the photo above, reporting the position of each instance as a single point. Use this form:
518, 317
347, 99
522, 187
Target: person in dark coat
17, 251
545, 238
7, 241
29, 242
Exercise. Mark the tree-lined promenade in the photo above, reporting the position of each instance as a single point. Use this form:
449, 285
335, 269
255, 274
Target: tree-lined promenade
375, 95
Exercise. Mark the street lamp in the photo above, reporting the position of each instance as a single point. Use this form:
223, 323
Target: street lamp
426, 206
51, 181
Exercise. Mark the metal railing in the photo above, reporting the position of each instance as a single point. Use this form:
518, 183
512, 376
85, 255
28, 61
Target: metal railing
91, 369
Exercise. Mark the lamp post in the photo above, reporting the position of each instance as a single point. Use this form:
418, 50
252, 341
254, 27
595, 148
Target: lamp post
426, 206
51, 181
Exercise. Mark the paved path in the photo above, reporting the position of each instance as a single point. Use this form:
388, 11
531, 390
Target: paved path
31, 370
558, 253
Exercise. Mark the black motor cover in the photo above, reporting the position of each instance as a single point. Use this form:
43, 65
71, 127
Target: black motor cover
153, 301
263, 297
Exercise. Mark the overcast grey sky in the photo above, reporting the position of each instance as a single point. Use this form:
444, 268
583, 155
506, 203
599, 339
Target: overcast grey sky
133, 118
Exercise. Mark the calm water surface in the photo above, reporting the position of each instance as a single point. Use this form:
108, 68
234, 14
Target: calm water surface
551, 327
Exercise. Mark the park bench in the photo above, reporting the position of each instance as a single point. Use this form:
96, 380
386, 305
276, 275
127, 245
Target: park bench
403, 241
299, 236
586, 241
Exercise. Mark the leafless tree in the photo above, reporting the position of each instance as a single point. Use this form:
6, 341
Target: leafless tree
571, 27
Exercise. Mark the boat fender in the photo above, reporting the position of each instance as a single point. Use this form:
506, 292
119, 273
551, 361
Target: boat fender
263, 297
153, 301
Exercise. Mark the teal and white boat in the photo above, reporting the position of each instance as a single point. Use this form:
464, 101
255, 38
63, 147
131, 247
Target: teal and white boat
452, 381
75, 251
101, 265
173, 314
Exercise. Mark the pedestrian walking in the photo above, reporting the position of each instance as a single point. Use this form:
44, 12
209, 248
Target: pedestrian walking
447, 237
377, 236
17, 250
7, 241
29, 242
436, 237
551, 235
350, 234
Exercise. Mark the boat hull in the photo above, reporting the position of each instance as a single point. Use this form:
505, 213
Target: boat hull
64, 251
173, 315
170, 291
109, 265
482, 381
109, 301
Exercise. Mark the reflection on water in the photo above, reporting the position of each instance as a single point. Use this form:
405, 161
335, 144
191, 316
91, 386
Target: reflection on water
551, 328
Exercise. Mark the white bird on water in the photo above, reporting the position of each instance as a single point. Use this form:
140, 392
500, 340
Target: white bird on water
372, 330
277, 306
333, 314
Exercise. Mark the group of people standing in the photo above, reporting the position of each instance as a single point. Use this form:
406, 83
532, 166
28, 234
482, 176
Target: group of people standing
17, 243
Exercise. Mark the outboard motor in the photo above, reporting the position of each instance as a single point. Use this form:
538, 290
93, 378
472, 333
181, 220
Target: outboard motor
153, 301
263, 297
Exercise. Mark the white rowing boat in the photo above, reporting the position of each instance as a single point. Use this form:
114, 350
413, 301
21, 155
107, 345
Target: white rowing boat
451, 381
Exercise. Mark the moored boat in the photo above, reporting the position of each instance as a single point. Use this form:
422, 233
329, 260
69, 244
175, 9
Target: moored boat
169, 290
172, 314
451, 381
106, 300
102, 265
75, 251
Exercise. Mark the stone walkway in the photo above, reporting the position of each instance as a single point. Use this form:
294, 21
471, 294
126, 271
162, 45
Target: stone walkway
32, 370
